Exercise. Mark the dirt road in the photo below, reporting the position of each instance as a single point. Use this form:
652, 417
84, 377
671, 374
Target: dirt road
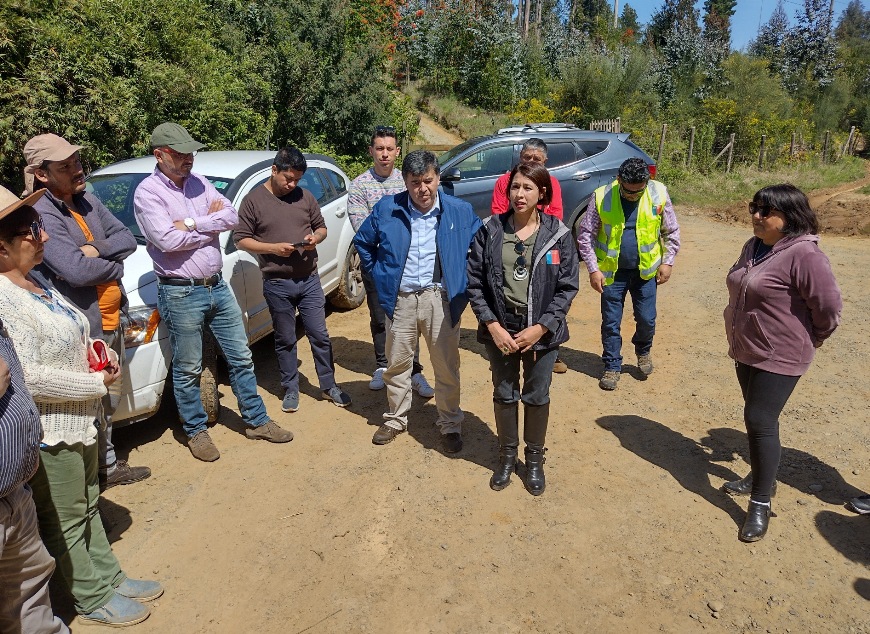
333, 534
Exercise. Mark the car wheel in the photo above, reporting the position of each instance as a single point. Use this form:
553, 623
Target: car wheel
350, 292
208, 380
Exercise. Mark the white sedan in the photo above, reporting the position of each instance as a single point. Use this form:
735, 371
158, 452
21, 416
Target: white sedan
234, 174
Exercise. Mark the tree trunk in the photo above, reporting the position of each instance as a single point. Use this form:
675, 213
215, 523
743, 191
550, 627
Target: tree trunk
528, 9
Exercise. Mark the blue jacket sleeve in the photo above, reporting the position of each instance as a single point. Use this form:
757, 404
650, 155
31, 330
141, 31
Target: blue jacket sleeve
366, 243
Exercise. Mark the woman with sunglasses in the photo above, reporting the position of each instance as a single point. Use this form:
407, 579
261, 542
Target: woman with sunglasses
783, 304
522, 277
66, 378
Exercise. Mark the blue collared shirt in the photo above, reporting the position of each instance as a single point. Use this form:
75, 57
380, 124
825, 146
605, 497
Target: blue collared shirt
420, 265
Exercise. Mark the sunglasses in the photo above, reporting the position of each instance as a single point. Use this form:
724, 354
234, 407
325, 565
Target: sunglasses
761, 210
385, 129
520, 250
628, 193
178, 154
34, 231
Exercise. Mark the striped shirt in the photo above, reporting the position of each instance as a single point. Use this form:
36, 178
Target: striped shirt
365, 192
20, 430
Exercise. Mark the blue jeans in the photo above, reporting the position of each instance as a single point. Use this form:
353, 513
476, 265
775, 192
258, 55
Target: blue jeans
643, 300
284, 297
186, 311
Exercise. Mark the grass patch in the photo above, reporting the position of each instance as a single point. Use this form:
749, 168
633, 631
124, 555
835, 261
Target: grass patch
457, 117
707, 190
864, 190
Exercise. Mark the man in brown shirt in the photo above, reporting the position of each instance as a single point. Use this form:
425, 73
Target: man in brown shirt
281, 224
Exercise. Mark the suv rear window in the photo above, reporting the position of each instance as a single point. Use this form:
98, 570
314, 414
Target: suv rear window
559, 154
591, 148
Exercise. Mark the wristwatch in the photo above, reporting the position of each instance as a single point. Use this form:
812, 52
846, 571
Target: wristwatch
190, 223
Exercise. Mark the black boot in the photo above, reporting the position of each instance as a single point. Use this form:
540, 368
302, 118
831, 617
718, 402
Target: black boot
506, 422
535, 434
757, 519
744, 486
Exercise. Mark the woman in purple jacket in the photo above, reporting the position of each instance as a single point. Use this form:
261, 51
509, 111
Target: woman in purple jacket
783, 303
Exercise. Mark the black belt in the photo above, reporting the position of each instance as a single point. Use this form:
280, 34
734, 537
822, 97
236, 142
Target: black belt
517, 310
190, 281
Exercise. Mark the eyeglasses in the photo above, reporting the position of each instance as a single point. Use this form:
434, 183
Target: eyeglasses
178, 154
521, 265
761, 210
629, 193
34, 231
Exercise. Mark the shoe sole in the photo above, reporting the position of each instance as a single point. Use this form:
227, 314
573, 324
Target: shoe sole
735, 494
606, 388
377, 388
109, 485
124, 624
289, 410
144, 599
381, 443
499, 488
857, 510
336, 403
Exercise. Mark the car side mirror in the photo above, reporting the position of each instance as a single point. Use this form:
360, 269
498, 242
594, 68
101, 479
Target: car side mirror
451, 175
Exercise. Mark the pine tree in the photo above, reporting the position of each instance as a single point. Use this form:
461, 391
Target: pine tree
717, 22
674, 13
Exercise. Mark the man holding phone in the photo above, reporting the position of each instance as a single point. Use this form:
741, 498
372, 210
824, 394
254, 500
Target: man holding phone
281, 224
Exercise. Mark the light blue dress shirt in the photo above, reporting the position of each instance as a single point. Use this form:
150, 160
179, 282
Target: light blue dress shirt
420, 265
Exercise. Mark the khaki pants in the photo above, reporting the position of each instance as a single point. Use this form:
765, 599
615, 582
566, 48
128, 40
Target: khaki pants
25, 568
66, 490
423, 313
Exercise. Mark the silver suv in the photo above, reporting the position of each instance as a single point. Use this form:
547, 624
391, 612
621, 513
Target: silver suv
582, 160
234, 174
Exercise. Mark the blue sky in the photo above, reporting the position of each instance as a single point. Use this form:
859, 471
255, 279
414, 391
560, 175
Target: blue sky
744, 23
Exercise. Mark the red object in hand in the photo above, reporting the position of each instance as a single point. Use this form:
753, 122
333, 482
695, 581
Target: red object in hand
98, 355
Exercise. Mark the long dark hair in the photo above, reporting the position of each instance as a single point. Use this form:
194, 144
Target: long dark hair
539, 175
800, 219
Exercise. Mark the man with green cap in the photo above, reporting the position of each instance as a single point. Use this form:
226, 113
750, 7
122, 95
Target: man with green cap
181, 215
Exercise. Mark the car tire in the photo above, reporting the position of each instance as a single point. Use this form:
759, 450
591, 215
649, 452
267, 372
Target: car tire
350, 292
208, 381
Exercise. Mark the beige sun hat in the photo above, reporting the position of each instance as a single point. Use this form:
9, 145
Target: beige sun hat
9, 202
45, 147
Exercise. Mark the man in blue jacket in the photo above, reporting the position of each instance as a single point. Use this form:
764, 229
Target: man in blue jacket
414, 245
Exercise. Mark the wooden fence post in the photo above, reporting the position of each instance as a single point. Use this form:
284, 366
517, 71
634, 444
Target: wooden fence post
730, 153
847, 146
691, 146
761, 152
662, 143
826, 146
791, 149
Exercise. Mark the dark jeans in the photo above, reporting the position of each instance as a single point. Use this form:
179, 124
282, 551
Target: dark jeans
764, 396
284, 297
537, 375
643, 299
378, 326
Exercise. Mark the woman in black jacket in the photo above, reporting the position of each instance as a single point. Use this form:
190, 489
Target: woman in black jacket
522, 277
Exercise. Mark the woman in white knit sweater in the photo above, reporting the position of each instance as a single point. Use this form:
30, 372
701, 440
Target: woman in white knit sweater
53, 342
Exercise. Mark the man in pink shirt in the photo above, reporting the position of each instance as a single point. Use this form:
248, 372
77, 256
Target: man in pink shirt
534, 151
182, 216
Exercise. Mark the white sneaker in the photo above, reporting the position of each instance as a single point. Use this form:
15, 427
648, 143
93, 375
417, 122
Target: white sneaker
421, 386
377, 382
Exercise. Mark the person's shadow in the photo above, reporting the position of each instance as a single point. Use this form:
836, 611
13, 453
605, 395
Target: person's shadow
480, 444
688, 461
797, 469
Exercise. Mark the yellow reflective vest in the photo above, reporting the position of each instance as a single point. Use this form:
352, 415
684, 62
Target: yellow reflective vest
650, 209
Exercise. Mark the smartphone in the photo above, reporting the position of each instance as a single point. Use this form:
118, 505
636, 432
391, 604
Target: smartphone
300, 244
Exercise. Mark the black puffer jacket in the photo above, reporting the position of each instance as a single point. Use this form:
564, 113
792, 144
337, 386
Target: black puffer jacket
552, 285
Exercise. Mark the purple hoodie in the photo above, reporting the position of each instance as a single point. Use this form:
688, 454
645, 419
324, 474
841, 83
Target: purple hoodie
781, 308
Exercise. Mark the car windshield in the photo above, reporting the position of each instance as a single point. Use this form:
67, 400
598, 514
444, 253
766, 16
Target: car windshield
454, 152
116, 192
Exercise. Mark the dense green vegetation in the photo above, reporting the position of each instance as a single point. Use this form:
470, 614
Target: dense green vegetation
321, 73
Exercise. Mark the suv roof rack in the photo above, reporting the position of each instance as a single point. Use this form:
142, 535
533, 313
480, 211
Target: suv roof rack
538, 127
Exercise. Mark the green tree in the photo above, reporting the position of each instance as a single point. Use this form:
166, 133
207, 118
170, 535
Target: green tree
717, 22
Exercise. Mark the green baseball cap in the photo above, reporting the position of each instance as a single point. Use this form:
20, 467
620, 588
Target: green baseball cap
176, 137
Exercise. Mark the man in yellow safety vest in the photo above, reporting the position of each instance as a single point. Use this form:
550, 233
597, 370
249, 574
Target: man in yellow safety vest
628, 239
